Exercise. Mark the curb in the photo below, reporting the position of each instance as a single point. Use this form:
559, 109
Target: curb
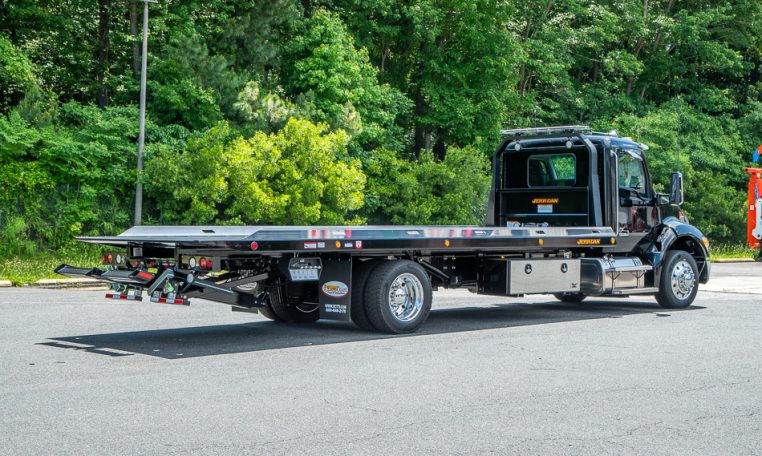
734, 260
67, 283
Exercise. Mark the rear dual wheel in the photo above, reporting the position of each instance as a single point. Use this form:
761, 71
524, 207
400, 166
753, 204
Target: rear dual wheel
570, 297
277, 309
396, 297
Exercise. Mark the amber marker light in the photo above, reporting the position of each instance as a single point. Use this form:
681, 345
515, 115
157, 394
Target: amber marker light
447, 242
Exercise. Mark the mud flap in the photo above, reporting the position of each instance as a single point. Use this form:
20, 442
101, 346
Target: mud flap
335, 289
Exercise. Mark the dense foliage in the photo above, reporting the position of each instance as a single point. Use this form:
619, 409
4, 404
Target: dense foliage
347, 111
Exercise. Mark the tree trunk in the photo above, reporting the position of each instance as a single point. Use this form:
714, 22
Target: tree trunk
419, 136
104, 18
439, 148
135, 39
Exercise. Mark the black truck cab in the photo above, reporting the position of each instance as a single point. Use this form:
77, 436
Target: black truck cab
571, 176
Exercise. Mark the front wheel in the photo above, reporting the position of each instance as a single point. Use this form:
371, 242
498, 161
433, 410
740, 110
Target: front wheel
678, 280
397, 296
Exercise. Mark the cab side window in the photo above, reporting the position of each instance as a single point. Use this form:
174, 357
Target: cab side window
632, 174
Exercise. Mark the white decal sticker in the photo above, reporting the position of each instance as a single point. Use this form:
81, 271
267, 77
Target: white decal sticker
310, 245
335, 289
336, 308
358, 244
321, 245
544, 208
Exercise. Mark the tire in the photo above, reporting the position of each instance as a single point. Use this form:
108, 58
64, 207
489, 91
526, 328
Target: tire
267, 312
570, 297
294, 312
412, 302
359, 280
678, 280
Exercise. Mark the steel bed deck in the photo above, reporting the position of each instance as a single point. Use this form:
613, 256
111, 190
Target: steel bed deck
249, 240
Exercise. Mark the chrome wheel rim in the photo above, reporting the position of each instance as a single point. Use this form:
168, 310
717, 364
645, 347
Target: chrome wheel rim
683, 280
405, 297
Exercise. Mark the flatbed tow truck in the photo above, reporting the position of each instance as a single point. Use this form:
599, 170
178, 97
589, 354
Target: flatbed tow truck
571, 213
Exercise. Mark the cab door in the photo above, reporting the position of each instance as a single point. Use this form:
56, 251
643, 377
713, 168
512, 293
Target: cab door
637, 213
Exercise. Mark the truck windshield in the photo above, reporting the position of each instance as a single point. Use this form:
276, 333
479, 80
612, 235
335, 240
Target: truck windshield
557, 170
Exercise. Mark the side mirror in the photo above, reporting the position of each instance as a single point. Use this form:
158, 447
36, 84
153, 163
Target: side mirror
676, 189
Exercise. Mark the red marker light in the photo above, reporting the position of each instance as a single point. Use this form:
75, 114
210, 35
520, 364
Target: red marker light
254, 245
145, 275
137, 263
110, 258
202, 263
151, 264
104, 259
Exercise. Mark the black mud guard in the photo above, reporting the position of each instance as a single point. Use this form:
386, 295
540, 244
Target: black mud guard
336, 288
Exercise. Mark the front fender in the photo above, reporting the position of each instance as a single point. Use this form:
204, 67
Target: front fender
677, 235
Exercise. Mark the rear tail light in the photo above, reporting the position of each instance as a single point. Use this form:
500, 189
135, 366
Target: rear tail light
202, 263
128, 297
110, 258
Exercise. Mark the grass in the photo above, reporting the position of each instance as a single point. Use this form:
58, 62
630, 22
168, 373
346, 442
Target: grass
23, 270
732, 251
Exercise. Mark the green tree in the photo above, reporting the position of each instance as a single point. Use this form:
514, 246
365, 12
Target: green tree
425, 190
336, 83
16, 75
298, 175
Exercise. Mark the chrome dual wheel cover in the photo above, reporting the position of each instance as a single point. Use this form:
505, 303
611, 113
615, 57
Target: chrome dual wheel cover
683, 280
406, 297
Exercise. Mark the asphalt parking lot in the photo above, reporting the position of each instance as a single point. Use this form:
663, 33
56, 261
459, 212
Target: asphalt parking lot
83, 375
